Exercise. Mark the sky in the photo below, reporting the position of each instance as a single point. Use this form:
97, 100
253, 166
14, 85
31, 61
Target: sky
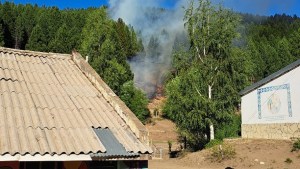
261, 7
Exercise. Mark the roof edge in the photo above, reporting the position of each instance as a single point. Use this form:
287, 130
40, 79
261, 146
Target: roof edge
269, 78
35, 53
124, 112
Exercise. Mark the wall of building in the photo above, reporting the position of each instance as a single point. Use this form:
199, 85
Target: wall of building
271, 131
141, 164
273, 110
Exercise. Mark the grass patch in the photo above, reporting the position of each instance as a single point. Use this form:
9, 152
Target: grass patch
222, 152
213, 143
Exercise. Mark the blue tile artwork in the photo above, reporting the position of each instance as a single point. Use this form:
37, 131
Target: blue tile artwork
274, 88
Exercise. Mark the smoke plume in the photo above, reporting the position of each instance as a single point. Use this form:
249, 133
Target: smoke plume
158, 29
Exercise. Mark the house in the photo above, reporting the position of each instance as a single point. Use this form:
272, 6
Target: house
57, 113
271, 107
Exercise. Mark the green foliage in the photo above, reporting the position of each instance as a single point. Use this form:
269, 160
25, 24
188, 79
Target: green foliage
276, 41
213, 143
62, 38
222, 152
108, 43
1, 36
296, 145
116, 75
136, 100
37, 40
233, 129
217, 59
210, 62
288, 160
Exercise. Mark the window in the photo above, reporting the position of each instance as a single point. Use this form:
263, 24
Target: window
41, 165
103, 165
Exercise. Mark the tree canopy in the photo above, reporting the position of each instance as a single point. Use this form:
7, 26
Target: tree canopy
108, 43
228, 51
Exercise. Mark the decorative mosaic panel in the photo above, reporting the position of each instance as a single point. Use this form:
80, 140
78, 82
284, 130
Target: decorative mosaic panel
274, 100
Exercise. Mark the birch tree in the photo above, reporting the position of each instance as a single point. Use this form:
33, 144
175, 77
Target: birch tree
194, 95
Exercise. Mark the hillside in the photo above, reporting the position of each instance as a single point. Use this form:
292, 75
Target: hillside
252, 154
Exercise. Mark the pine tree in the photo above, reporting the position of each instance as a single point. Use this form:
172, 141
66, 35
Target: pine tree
38, 40
1, 36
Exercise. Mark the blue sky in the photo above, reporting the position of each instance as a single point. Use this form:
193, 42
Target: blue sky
262, 7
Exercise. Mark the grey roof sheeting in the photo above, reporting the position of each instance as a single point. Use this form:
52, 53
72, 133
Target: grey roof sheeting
48, 105
113, 147
270, 77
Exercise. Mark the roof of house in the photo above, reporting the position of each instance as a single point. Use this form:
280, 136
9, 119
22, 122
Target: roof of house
271, 77
51, 104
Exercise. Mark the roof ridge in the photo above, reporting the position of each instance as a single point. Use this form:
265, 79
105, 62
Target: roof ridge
34, 53
269, 78
123, 111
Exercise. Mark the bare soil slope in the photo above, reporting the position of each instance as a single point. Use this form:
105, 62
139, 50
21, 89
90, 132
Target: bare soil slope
252, 154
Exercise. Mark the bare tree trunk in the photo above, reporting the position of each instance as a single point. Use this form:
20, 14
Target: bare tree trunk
211, 126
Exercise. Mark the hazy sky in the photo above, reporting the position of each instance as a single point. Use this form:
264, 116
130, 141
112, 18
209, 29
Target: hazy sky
262, 7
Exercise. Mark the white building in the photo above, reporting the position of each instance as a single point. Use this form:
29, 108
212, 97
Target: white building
271, 107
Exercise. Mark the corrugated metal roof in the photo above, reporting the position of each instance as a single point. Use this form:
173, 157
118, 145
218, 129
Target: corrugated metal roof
270, 77
113, 147
48, 106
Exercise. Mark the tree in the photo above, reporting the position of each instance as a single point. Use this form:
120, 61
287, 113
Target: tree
61, 43
1, 36
8, 17
154, 48
136, 100
95, 31
103, 44
294, 40
19, 32
116, 75
37, 40
196, 96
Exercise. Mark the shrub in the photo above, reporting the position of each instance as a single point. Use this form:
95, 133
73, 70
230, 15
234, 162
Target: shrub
288, 160
296, 145
213, 143
222, 152
232, 129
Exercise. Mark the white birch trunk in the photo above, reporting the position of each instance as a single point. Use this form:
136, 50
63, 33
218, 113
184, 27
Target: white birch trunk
211, 126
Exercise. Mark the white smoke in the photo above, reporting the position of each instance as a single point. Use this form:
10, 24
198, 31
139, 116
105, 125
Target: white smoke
150, 20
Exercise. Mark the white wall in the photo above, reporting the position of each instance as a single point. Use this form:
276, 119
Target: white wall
279, 101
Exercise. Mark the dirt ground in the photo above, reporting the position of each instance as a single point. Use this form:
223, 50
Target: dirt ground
162, 130
252, 154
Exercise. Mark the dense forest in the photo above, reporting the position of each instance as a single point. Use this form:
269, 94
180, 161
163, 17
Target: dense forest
108, 43
220, 54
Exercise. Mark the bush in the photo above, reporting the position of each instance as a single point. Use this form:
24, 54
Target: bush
296, 145
213, 143
288, 160
232, 129
222, 152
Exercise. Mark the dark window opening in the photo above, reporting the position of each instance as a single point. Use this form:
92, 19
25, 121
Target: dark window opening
103, 165
41, 165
